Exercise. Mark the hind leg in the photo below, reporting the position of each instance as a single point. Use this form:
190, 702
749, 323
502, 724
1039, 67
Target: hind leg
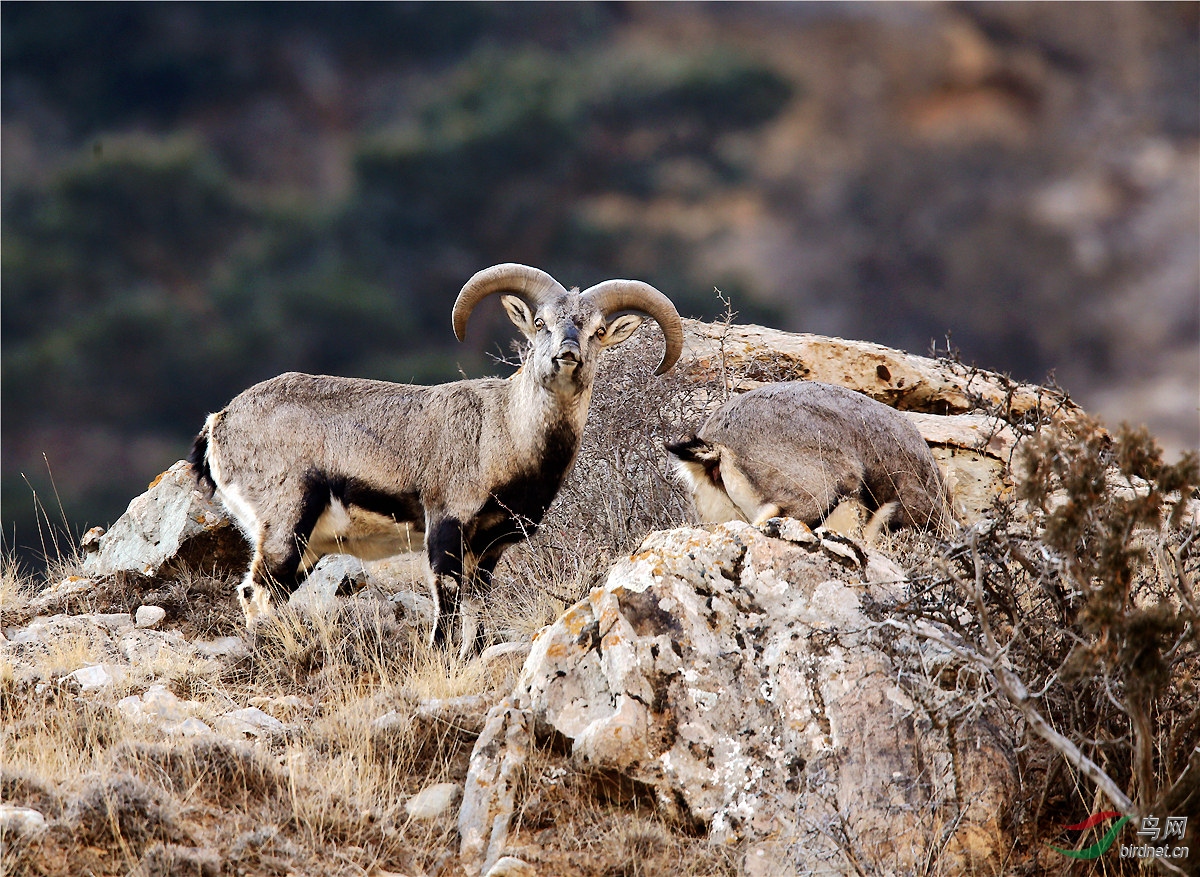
274, 574
281, 561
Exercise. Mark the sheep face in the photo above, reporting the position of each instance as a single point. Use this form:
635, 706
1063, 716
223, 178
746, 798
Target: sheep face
566, 335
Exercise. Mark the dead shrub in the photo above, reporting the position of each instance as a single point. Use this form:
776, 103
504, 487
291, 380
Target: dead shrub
1076, 608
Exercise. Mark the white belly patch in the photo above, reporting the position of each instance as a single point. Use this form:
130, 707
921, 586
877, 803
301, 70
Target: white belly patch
368, 535
713, 504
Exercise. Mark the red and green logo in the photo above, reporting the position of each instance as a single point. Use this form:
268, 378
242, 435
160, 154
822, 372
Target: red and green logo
1100, 847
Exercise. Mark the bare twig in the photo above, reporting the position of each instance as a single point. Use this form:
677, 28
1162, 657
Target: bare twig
1014, 690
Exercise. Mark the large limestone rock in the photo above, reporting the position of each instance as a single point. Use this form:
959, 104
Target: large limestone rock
489, 797
171, 525
739, 676
902, 380
976, 455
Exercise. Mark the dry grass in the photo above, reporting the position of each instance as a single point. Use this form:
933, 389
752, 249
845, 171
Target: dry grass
324, 796
614, 829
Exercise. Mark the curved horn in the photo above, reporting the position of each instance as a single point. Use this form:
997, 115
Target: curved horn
531, 283
634, 295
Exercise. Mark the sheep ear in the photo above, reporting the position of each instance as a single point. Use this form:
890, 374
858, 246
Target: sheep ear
619, 329
519, 313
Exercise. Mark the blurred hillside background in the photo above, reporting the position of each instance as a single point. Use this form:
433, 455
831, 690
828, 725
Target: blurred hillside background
200, 196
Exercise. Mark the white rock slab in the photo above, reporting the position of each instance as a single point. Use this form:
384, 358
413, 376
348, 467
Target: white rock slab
21, 820
433, 801
149, 616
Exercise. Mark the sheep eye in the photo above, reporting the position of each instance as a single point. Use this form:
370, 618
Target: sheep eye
601, 332
539, 323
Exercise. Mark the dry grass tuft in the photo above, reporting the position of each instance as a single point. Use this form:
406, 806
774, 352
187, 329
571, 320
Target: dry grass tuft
217, 768
121, 810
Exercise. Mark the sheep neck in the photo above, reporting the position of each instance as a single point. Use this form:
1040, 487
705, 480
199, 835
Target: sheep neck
537, 411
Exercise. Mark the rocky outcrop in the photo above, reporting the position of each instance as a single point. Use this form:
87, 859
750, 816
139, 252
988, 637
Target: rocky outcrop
739, 675
169, 527
902, 380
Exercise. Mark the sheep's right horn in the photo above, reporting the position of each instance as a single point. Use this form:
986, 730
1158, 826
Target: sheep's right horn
529, 283
634, 295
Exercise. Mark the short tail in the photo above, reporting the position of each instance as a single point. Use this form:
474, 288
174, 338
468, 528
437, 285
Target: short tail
198, 457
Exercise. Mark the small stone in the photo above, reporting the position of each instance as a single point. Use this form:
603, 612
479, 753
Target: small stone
250, 722
334, 575
131, 706
390, 721
511, 866
160, 702
113, 621
433, 801
90, 542
189, 727
222, 647
52, 598
90, 678
149, 616
21, 820
415, 606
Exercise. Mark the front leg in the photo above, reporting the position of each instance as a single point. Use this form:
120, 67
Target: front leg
474, 636
445, 548
484, 550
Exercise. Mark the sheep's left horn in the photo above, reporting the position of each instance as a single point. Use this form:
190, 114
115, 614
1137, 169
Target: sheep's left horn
634, 295
532, 284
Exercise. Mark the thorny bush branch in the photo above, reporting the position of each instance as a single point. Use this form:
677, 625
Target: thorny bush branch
1087, 595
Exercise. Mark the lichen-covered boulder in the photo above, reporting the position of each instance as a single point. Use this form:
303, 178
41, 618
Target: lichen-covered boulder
170, 526
740, 675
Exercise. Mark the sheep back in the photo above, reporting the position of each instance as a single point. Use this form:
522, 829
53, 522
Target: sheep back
806, 445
